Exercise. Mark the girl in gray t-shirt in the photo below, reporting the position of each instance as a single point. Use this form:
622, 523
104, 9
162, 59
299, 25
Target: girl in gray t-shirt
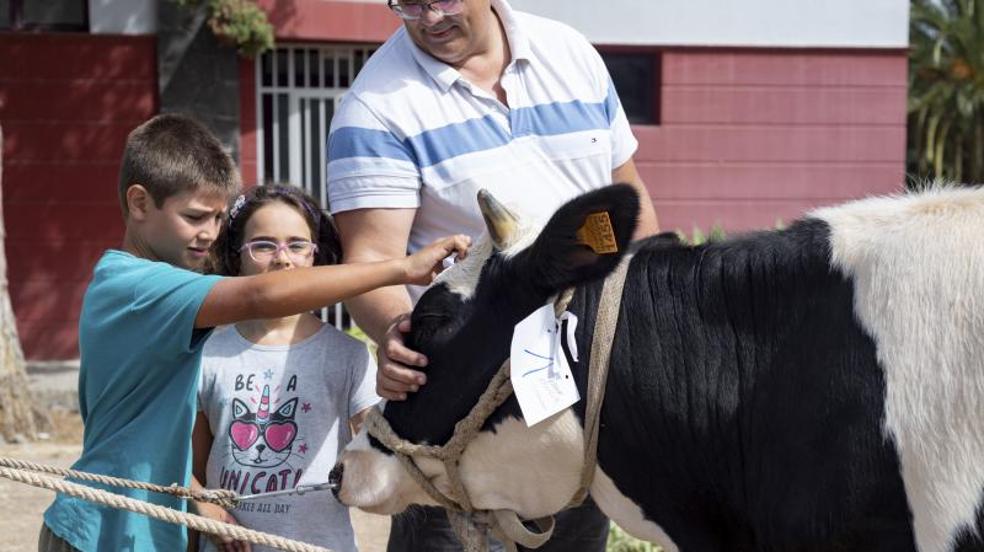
279, 398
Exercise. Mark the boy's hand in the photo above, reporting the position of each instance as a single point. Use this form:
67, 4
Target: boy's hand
218, 513
424, 265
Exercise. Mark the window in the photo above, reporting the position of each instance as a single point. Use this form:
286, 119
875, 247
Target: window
51, 15
637, 78
298, 89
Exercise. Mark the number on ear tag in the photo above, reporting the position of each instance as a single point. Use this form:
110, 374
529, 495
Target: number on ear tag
598, 234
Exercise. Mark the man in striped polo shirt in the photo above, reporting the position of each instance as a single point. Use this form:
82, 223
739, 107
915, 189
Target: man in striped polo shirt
468, 94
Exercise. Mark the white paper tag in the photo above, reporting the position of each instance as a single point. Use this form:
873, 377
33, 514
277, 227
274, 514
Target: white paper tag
540, 375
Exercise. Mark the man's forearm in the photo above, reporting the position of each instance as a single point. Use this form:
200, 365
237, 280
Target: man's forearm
375, 310
648, 223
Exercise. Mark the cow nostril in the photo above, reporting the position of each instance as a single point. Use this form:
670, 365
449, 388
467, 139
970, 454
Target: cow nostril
335, 478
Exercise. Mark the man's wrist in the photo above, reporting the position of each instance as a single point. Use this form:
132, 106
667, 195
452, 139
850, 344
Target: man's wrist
376, 311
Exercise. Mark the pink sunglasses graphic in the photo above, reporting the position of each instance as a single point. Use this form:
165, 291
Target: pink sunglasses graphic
278, 436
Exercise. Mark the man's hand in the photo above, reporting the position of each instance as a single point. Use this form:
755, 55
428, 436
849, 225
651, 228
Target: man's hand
424, 265
218, 513
395, 378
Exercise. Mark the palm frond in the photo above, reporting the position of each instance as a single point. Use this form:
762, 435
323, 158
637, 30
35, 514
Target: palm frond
946, 89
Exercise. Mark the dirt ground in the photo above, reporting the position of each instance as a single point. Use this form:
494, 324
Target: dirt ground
21, 506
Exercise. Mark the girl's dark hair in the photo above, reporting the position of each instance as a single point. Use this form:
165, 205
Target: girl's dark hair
225, 251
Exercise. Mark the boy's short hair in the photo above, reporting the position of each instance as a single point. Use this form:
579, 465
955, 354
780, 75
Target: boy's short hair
171, 154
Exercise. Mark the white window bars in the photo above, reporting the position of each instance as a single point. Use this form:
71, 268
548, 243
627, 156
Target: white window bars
298, 87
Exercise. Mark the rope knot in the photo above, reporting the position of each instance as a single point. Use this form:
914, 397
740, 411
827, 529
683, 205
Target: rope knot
222, 497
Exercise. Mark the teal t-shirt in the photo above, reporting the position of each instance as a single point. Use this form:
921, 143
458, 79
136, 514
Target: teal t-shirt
140, 362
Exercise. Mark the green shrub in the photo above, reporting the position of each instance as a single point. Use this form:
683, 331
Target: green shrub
698, 236
357, 333
239, 23
620, 541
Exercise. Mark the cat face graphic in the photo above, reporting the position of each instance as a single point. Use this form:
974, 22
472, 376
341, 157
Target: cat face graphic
262, 439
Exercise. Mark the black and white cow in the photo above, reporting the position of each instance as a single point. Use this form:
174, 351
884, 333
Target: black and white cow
815, 388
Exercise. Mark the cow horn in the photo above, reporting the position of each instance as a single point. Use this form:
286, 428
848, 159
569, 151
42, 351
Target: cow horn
501, 222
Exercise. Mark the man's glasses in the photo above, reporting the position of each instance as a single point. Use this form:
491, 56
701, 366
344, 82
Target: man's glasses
263, 251
415, 10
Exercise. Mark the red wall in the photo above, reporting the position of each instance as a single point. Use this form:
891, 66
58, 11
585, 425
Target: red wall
67, 102
248, 128
750, 137
338, 21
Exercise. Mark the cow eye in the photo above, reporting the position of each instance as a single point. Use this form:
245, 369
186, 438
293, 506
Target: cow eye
431, 316
426, 327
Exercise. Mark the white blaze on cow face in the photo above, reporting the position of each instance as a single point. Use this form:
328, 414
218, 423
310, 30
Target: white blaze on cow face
376, 482
924, 254
532, 471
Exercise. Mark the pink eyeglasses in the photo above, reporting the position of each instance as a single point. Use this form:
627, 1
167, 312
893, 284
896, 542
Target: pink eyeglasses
263, 251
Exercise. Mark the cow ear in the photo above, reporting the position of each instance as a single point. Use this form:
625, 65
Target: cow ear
585, 239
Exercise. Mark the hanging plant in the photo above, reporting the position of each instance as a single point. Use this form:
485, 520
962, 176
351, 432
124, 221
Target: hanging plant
239, 23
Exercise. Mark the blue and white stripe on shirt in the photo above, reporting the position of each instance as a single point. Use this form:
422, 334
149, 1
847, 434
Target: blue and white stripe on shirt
414, 133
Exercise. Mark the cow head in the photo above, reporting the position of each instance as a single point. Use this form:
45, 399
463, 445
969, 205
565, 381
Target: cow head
464, 323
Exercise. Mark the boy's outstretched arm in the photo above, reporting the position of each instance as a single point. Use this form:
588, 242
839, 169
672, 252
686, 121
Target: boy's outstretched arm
288, 292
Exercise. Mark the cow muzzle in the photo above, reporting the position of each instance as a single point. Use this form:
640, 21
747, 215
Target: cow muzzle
335, 478
371, 480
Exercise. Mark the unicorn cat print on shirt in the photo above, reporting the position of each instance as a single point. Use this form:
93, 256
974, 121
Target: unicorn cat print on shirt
262, 439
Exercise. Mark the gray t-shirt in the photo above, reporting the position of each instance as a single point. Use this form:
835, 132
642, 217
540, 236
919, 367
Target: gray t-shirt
279, 416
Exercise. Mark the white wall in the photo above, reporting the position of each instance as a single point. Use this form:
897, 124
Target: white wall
128, 17
759, 23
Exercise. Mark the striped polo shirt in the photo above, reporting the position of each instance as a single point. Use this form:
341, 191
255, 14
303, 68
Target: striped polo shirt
412, 132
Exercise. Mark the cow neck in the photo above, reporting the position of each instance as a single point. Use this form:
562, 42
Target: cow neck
469, 524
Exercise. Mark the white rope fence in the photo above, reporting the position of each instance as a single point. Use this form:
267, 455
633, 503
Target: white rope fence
162, 513
220, 497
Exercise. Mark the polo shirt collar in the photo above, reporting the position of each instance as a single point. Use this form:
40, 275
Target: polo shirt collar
519, 42
445, 75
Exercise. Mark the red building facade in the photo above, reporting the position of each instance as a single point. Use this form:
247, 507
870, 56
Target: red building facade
741, 134
67, 102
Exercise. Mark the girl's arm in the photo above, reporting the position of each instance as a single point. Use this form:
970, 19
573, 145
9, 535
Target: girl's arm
288, 292
201, 444
201, 447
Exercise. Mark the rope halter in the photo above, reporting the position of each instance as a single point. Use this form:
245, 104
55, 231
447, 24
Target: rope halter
471, 525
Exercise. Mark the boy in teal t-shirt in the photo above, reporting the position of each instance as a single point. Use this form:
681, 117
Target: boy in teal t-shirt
140, 357
145, 317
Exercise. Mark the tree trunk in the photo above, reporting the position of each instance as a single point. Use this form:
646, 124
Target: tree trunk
20, 417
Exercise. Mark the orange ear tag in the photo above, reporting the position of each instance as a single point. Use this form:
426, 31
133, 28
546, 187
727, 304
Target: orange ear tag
598, 234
